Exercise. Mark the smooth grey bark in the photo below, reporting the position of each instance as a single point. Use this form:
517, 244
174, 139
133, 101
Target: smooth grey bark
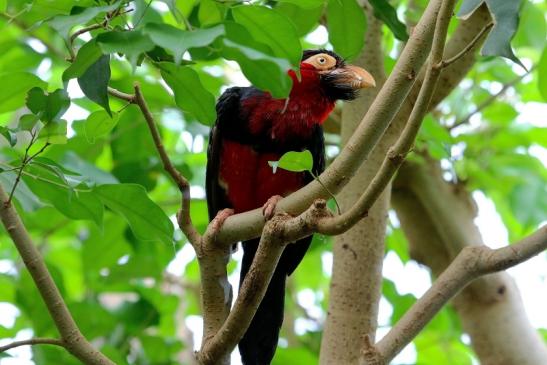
437, 218
358, 254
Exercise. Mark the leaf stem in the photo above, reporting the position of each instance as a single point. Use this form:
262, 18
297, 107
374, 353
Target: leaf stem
327, 190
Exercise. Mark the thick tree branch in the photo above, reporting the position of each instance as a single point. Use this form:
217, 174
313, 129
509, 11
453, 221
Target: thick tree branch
490, 308
471, 262
277, 233
396, 155
32, 341
71, 336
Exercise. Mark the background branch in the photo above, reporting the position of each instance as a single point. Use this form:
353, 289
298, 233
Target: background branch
470, 263
32, 341
491, 99
490, 308
71, 336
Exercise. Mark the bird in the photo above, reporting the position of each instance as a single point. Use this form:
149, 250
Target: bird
252, 128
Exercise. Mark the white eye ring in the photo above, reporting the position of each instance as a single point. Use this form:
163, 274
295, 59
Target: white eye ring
322, 60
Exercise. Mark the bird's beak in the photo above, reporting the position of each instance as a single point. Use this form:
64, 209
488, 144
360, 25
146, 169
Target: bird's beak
352, 76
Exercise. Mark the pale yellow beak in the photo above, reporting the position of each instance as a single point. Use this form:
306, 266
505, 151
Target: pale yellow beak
360, 78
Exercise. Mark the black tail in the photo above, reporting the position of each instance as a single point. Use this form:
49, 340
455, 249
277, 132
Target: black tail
257, 347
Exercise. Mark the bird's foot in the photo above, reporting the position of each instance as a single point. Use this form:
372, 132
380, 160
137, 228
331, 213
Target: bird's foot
268, 209
209, 237
219, 219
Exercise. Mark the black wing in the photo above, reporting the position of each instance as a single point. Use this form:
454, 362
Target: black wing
227, 110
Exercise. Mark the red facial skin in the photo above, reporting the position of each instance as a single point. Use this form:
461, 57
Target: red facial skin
245, 174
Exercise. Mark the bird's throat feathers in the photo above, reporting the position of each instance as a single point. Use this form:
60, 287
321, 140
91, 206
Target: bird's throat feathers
292, 117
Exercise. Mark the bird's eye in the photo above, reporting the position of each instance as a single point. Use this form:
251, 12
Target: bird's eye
322, 60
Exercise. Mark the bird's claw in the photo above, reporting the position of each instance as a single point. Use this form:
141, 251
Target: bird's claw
219, 219
268, 209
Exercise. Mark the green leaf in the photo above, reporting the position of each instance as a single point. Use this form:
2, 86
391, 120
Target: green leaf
529, 200
305, 4
294, 161
131, 43
506, 19
147, 220
304, 19
14, 88
9, 135
54, 167
542, 75
532, 30
145, 14
27, 122
387, 13
98, 124
29, 202
297, 355
179, 41
190, 95
94, 82
347, 24
263, 70
270, 27
64, 23
75, 204
88, 54
209, 13
54, 132
50, 106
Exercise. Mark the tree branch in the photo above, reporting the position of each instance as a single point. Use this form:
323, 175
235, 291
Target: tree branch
471, 45
491, 99
396, 155
183, 217
278, 231
32, 341
121, 95
71, 336
471, 262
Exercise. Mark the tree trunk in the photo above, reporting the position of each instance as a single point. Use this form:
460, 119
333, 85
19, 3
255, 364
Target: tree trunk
358, 254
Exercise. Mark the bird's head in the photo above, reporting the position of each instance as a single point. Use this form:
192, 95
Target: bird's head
327, 71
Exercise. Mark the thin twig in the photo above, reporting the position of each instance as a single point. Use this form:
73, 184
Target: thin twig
184, 219
79, 32
491, 99
33, 134
104, 24
32, 341
466, 49
143, 14
121, 95
46, 42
